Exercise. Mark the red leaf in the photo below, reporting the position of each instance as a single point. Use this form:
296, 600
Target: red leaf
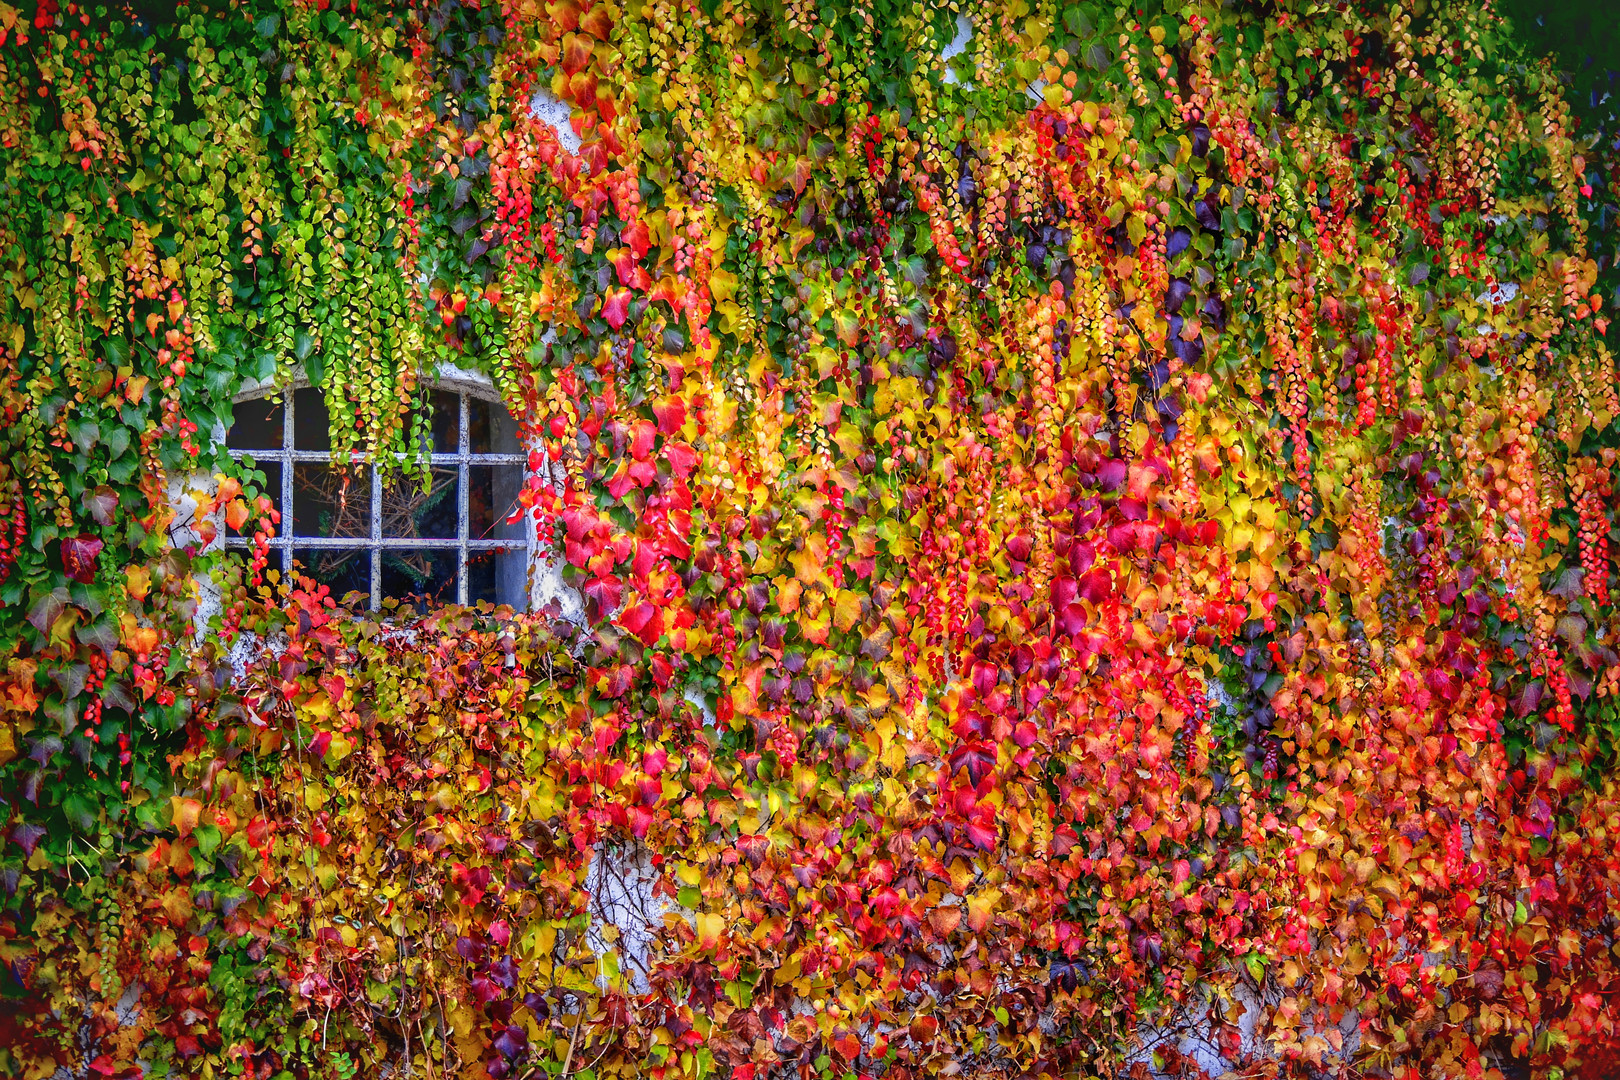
638, 237
616, 307
982, 833
681, 457
1111, 475
1095, 585
79, 558
644, 621
671, 413
641, 439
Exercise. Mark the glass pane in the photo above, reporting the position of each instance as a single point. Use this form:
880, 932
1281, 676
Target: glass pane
409, 511
424, 578
478, 426
481, 576
342, 571
331, 502
311, 422
255, 425
446, 421
503, 432
492, 497
271, 486
511, 573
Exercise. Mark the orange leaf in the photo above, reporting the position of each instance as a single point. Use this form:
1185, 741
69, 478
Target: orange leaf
184, 814
981, 908
944, 920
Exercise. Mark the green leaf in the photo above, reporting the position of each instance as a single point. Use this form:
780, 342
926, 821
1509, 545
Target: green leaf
208, 837
80, 811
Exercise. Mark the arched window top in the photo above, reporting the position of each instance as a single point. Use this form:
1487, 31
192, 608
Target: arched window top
348, 529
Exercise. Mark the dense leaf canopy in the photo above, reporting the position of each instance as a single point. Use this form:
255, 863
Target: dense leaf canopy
1094, 528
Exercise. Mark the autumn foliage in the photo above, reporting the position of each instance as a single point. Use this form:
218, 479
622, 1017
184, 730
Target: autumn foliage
1095, 547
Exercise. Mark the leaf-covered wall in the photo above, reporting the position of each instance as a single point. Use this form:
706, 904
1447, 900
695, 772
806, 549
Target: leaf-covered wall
1099, 534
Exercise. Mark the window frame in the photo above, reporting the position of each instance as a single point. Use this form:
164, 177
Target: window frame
466, 386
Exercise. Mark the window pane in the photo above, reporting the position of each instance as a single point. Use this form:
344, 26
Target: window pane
446, 421
491, 499
511, 575
424, 578
503, 432
256, 425
409, 511
311, 422
482, 577
341, 571
477, 426
270, 486
328, 501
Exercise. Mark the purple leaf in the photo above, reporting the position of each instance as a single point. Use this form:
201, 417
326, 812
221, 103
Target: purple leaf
28, 836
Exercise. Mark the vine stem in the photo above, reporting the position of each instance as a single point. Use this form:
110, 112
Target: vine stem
568, 1059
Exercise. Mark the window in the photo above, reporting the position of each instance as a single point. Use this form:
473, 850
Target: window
349, 531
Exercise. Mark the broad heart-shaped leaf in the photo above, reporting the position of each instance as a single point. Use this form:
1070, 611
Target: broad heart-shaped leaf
71, 679
846, 326
102, 504
616, 307
79, 555
28, 835
100, 634
47, 609
80, 812
847, 610
183, 814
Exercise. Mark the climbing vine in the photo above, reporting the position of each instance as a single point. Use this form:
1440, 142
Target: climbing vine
1094, 525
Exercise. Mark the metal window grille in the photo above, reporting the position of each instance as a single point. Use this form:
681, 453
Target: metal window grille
462, 459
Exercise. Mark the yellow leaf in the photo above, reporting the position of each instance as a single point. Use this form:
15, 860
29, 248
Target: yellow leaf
709, 928
807, 561
847, 610
722, 283
177, 904
137, 581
